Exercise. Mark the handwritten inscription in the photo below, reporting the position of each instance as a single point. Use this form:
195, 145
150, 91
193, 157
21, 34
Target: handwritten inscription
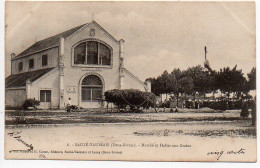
230, 152
17, 136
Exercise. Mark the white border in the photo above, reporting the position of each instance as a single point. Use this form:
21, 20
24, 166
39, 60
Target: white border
110, 164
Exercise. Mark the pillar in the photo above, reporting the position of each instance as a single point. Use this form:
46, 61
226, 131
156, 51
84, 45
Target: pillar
121, 68
28, 89
61, 72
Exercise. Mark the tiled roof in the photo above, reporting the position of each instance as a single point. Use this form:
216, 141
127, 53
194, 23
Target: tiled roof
48, 42
19, 80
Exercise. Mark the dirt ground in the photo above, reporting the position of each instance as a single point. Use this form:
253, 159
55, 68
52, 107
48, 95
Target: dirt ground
134, 134
200, 122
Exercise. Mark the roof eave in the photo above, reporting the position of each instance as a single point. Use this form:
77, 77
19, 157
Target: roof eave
34, 52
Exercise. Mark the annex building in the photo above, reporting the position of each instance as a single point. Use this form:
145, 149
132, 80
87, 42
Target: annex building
80, 63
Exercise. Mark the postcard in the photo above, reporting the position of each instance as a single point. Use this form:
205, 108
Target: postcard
130, 81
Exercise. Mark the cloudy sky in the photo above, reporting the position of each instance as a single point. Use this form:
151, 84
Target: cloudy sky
159, 35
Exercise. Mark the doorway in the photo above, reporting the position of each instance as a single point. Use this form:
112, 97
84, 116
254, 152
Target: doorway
45, 99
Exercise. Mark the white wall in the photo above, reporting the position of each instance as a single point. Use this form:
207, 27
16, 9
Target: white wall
74, 74
52, 61
132, 82
49, 81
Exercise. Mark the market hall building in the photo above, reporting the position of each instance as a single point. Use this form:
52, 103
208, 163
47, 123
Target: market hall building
81, 63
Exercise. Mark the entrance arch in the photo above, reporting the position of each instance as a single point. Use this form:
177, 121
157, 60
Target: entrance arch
91, 91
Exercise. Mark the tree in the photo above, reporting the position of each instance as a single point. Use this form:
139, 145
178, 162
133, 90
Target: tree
173, 83
164, 82
155, 86
231, 80
200, 79
252, 79
160, 84
186, 83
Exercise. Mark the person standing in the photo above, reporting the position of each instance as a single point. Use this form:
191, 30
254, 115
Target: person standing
69, 105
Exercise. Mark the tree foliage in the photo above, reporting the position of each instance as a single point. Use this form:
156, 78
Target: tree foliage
202, 80
199, 80
231, 80
252, 79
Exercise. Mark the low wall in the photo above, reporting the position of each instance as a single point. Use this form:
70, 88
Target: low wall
15, 97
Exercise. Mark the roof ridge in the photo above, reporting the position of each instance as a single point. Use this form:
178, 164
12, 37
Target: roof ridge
49, 41
63, 32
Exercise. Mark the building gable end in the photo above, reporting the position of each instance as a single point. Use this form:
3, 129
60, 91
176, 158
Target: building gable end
95, 24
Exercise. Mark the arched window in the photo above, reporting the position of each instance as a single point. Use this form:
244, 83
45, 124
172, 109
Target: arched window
92, 53
44, 60
91, 88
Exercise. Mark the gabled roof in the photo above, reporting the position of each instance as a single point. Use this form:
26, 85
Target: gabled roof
19, 80
49, 42
54, 40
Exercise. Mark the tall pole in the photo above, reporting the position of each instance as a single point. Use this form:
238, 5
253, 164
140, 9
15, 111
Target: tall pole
205, 48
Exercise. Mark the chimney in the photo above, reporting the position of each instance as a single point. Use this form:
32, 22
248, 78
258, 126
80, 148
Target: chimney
12, 56
149, 86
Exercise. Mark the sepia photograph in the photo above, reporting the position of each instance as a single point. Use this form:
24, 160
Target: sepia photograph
130, 81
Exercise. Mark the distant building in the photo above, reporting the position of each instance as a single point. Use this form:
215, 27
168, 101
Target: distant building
80, 63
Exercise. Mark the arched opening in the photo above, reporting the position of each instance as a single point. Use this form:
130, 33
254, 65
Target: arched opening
91, 89
92, 52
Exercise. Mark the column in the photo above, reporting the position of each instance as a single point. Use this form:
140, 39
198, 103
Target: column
28, 89
61, 70
121, 68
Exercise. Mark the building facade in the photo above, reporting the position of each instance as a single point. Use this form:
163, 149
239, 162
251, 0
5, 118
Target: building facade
80, 64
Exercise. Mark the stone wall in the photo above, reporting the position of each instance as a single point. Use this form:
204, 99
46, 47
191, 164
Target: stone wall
15, 97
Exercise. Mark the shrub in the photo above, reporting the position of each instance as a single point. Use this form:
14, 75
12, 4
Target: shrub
219, 105
130, 97
30, 103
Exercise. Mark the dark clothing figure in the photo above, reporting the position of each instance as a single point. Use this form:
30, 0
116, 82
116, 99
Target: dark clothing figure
68, 108
196, 105
69, 105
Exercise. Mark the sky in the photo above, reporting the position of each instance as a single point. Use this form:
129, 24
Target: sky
158, 35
